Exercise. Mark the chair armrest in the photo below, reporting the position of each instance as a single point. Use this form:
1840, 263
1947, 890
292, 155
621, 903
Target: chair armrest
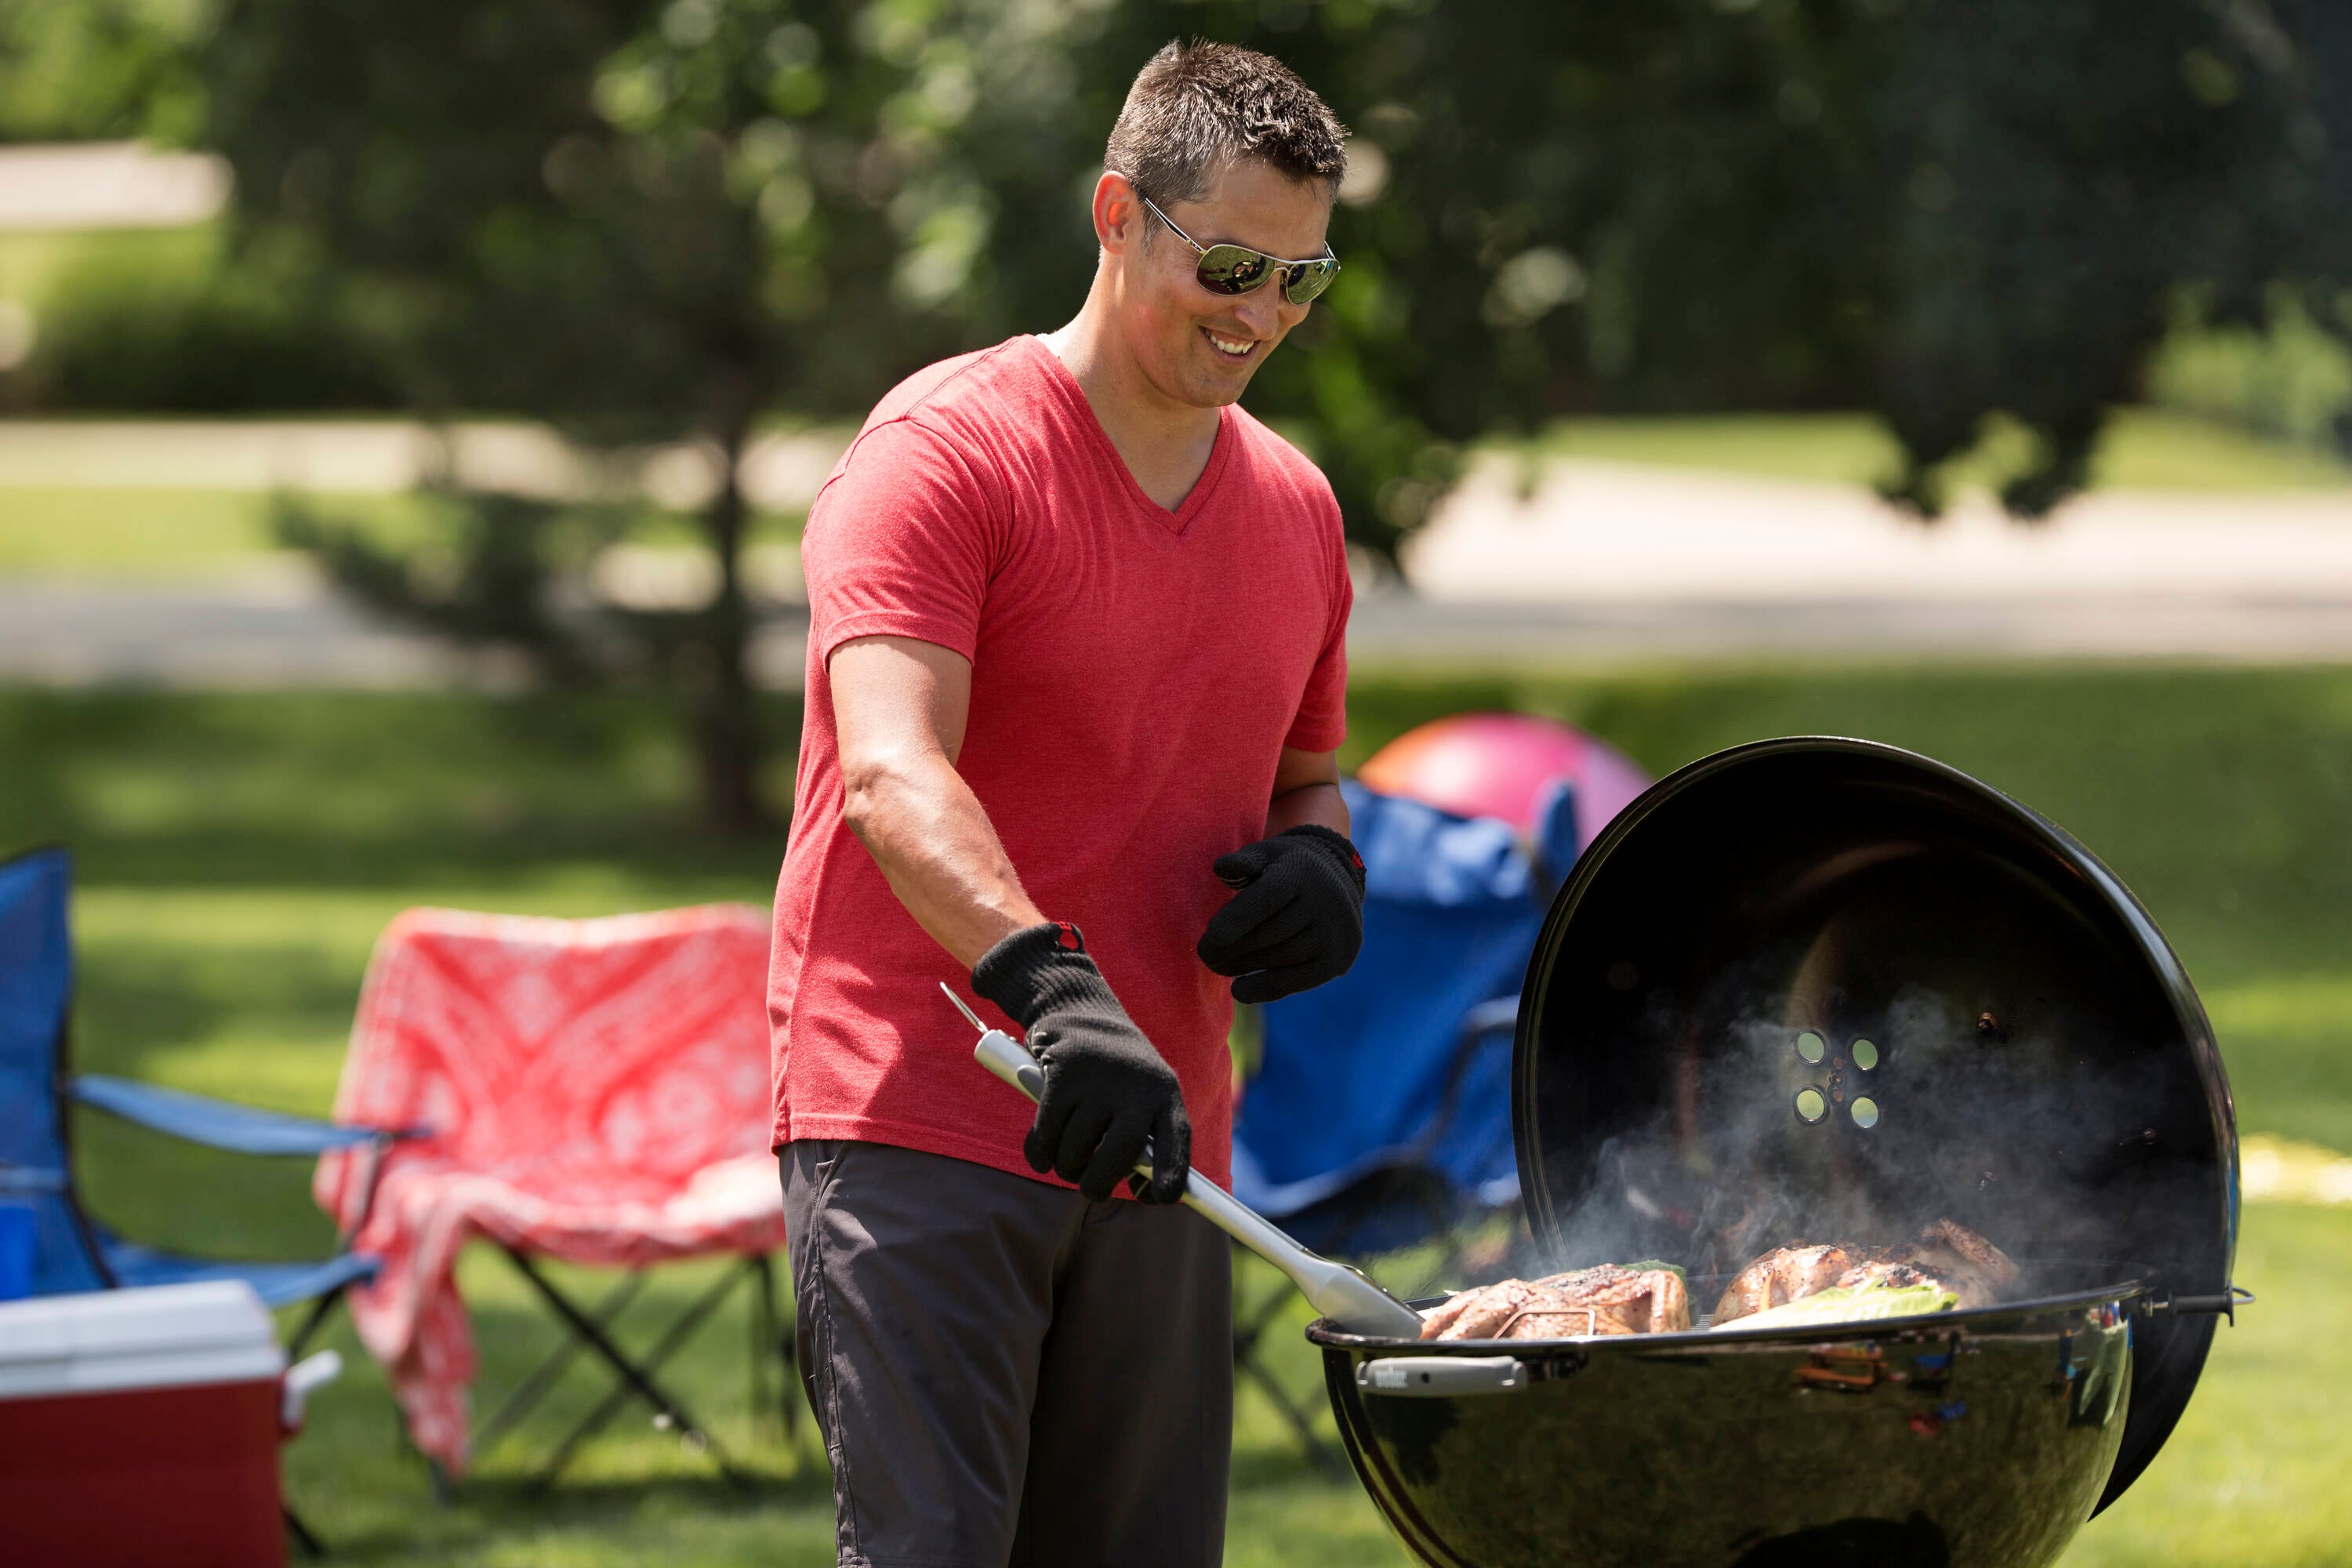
16, 1178
218, 1123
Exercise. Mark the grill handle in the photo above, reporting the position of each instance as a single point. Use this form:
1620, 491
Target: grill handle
1334, 1290
2224, 1305
1442, 1376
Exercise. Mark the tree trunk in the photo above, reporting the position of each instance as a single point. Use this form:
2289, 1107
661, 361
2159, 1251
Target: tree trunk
727, 728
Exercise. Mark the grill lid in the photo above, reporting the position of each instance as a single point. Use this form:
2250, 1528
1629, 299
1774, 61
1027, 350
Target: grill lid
1825, 989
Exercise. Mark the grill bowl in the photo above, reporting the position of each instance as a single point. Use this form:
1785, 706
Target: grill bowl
1975, 1439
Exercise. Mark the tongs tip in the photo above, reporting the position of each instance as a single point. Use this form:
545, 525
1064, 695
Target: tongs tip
961, 1007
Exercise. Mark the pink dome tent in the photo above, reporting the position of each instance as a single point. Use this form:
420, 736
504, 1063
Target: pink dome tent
1497, 764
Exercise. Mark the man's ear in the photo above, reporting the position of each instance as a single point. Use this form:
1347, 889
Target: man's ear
1118, 213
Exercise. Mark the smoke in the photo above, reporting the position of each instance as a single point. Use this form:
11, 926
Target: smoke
2065, 1145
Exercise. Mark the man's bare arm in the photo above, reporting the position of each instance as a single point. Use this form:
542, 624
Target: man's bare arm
1306, 790
899, 706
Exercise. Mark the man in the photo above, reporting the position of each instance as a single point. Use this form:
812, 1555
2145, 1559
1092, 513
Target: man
1075, 679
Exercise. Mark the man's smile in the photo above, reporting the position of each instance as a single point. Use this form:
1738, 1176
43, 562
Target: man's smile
1232, 348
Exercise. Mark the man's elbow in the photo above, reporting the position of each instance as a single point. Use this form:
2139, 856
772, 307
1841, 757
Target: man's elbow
865, 792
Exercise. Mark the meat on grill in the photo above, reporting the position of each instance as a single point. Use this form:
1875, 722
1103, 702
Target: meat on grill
1944, 1254
1970, 1267
1604, 1300
1783, 1275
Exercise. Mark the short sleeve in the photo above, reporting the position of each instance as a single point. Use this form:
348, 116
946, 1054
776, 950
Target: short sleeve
1322, 722
900, 542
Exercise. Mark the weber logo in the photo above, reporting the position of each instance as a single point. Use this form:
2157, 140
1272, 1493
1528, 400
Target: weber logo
1388, 1376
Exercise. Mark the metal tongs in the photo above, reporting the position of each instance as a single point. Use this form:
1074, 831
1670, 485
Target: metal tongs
1341, 1293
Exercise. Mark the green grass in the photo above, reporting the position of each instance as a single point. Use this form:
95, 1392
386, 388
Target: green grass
129, 533
2254, 1474
237, 855
2143, 449
134, 532
33, 263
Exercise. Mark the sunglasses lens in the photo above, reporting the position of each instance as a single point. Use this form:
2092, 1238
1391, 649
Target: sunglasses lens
1234, 268
1306, 282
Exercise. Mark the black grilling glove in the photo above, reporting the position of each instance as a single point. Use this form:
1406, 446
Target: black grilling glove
1106, 1090
1298, 919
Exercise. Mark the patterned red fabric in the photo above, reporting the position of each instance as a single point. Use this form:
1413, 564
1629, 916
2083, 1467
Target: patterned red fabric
594, 1090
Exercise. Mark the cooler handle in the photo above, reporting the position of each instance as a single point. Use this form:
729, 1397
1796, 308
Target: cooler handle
310, 1372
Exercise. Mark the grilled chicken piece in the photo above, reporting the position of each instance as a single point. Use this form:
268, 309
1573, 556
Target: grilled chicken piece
1604, 1300
1480, 1314
1944, 1254
1887, 1272
1972, 1267
1783, 1275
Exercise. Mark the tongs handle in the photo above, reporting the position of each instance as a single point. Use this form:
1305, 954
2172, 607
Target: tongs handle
1337, 1292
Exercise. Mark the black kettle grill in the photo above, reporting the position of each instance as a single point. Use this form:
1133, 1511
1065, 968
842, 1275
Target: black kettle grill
1824, 989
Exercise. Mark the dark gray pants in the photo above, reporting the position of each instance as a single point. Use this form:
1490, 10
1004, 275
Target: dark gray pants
1005, 1373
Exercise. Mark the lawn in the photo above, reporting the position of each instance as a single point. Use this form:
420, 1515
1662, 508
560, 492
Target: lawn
2144, 449
240, 853
50, 531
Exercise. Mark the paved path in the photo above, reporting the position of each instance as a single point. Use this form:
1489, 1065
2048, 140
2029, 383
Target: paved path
276, 628
51, 186
281, 629
1602, 561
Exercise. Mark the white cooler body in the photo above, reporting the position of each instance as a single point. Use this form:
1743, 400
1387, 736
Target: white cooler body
140, 1428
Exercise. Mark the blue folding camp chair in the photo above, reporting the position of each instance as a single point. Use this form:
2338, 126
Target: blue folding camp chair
1379, 1115
73, 1251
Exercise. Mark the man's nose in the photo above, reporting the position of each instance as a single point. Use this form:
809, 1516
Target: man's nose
1261, 311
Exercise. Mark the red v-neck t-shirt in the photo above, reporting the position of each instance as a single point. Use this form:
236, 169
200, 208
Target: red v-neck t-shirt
1136, 673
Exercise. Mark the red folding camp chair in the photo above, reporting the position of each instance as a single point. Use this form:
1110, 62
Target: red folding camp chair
595, 1091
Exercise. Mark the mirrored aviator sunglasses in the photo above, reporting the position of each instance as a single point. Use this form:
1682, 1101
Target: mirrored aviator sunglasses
1238, 270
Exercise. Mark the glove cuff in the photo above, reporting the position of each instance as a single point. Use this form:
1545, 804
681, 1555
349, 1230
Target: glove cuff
1335, 846
1040, 968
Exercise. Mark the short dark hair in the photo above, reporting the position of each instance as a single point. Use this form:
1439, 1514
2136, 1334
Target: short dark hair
1194, 105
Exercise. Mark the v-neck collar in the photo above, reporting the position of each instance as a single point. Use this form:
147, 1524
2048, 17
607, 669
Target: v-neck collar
1175, 522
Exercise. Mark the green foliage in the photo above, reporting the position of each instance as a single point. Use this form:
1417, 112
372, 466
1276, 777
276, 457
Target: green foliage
2289, 378
641, 220
486, 585
77, 70
1933, 212
645, 221
173, 328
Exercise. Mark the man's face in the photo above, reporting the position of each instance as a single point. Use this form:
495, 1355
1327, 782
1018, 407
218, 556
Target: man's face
1200, 348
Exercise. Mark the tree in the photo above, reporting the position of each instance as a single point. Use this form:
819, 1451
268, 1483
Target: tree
1936, 210
658, 221
644, 222
74, 71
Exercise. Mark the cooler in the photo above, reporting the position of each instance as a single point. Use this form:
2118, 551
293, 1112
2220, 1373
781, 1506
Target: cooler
140, 1428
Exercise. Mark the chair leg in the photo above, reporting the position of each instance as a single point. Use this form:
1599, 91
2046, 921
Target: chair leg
669, 1413
1248, 1332
763, 1317
313, 1321
526, 1394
